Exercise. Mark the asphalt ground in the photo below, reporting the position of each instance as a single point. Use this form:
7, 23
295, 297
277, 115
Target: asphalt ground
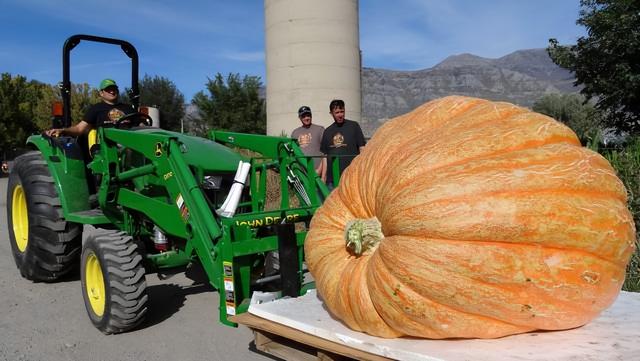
48, 321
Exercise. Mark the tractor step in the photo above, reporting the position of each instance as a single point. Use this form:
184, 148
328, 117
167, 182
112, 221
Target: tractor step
90, 216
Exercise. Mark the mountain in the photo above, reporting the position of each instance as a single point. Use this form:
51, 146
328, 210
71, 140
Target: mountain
521, 77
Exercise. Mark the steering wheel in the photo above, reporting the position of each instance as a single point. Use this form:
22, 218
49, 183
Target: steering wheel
131, 118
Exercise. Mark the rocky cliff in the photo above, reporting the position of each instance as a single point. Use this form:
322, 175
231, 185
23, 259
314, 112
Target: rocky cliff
521, 77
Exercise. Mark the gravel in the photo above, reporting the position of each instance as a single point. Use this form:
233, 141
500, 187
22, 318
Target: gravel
48, 321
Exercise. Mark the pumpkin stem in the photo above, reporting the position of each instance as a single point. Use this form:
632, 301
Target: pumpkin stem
363, 235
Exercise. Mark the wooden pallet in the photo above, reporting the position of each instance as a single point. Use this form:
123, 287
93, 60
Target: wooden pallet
290, 344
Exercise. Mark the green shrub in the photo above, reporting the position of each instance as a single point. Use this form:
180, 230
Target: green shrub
626, 161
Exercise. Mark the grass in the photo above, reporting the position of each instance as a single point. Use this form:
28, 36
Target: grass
626, 161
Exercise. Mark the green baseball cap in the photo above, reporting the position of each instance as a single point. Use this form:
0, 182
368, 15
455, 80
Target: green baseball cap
107, 83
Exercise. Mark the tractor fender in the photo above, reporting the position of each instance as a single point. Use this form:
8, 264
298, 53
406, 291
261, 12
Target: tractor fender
66, 164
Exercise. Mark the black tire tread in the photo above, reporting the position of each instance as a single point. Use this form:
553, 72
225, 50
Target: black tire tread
54, 244
124, 275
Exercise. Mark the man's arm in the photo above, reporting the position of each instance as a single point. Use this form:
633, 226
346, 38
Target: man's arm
322, 169
360, 141
73, 131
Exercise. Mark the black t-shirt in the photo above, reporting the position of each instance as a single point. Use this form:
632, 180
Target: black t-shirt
101, 114
344, 140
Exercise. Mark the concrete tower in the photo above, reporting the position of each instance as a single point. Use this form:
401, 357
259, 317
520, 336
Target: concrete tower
312, 56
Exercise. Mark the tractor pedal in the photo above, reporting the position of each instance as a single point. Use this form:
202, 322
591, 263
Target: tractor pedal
96, 212
89, 216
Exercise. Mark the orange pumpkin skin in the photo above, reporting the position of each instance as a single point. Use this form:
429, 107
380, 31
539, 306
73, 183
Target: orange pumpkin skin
495, 220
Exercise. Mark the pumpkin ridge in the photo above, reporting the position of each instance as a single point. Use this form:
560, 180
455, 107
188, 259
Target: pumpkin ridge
539, 291
440, 131
523, 192
493, 155
518, 244
450, 128
495, 166
358, 298
508, 285
419, 320
581, 211
419, 112
445, 127
534, 244
345, 305
335, 252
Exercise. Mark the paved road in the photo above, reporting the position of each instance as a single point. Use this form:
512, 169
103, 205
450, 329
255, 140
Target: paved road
40, 321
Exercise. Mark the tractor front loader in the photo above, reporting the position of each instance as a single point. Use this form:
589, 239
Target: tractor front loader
160, 200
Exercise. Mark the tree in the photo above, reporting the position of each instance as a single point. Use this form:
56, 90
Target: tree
234, 104
162, 93
17, 102
82, 96
607, 61
572, 110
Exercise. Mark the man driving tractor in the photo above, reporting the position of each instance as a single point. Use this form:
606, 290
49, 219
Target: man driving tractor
106, 112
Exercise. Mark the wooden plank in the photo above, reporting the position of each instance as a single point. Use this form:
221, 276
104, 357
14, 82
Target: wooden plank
326, 350
274, 345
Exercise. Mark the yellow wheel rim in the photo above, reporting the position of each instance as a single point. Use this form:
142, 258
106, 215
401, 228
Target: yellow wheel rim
20, 218
94, 283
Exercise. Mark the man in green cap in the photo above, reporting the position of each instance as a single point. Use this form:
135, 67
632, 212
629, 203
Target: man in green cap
106, 112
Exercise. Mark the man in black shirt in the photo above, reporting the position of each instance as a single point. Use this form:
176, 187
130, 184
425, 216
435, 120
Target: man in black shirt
107, 112
343, 138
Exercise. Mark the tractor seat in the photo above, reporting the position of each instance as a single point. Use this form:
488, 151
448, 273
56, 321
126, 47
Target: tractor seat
69, 146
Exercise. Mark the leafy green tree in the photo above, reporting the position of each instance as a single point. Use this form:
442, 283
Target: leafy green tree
82, 96
572, 110
607, 61
233, 104
162, 93
17, 102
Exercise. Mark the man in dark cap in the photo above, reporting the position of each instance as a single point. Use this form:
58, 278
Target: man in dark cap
309, 136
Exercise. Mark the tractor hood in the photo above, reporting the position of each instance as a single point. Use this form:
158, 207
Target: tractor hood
204, 153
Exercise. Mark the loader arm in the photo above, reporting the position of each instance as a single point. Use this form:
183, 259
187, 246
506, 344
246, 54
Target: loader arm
184, 211
155, 177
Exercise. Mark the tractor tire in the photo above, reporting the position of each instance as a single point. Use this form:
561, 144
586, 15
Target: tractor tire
44, 245
113, 281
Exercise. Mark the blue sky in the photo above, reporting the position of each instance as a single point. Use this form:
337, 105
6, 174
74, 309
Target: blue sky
190, 41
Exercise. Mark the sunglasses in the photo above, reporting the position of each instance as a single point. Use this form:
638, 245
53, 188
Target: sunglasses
111, 90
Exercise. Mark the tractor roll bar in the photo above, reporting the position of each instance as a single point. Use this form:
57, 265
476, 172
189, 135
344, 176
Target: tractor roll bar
65, 89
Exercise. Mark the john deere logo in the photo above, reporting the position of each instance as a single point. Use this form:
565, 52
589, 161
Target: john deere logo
158, 151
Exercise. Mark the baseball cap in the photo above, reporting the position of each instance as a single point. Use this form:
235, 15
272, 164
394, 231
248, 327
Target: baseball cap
105, 83
304, 110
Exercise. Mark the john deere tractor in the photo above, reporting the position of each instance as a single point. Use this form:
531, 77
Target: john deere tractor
159, 200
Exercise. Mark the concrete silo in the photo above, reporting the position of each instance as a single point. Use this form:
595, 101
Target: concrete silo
312, 57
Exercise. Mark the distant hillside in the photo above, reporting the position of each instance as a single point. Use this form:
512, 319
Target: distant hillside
521, 77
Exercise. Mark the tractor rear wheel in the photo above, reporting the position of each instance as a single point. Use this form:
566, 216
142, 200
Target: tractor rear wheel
113, 281
45, 246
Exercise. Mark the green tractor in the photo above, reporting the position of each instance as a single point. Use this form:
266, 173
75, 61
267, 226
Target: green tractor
159, 200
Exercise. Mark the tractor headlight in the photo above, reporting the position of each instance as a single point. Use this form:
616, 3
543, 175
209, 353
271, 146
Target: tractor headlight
212, 182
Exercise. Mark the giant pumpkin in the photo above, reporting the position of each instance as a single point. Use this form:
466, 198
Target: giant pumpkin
474, 219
